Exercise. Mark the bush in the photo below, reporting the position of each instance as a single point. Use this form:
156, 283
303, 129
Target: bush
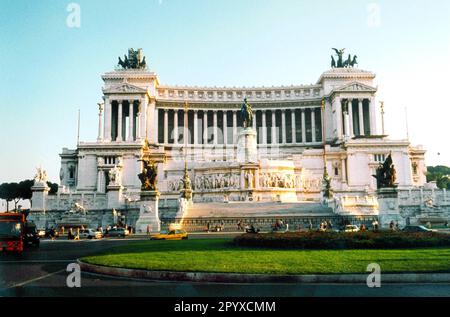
342, 240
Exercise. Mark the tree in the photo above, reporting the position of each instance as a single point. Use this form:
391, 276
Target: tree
53, 188
439, 174
14, 192
6, 193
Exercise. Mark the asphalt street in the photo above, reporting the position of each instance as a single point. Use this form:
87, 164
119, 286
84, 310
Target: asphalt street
42, 272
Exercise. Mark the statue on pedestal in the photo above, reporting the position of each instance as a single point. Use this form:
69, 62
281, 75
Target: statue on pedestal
149, 175
247, 114
327, 190
134, 60
186, 192
340, 63
114, 176
386, 175
41, 177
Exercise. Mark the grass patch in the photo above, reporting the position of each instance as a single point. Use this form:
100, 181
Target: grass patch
222, 256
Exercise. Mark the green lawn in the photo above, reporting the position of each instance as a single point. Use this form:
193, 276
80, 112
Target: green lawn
220, 255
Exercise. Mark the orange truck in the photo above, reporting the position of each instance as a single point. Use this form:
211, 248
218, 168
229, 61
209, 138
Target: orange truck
12, 232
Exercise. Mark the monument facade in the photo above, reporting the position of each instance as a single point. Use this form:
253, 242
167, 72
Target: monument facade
260, 145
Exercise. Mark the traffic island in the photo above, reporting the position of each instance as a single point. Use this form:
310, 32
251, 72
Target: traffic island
221, 261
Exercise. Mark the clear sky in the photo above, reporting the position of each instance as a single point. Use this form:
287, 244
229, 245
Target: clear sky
49, 70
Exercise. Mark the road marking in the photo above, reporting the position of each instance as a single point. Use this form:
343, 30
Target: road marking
36, 279
36, 261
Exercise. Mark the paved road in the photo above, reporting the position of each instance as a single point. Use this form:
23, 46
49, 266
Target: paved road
42, 273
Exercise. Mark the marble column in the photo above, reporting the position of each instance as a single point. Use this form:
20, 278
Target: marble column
100, 122
138, 123
351, 133
175, 126
152, 115
283, 125
156, 120
119, 123
373, 116
100, 175
234, 126
343, 171
274, 128
303, 127
264, 127
313, 124
196, 127
361, 117
346, 125
215, 126
131, 121
166, 126
205, 127
144, 123
338, 117
294, 132
225, 127
186, 138
108, 120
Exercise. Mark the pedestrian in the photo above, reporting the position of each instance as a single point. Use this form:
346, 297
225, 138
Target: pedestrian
391, 225
310, 225
208, 226
53, 233
148, 229
397, 226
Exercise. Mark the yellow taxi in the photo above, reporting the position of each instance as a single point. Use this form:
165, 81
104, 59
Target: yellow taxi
177, 234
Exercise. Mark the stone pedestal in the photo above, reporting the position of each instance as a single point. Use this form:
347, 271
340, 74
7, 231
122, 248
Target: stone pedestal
114, 196
39, 197
183, 208
388, 207
247, 151
148, 213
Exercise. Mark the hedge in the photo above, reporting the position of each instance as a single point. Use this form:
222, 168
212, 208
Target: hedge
343, 240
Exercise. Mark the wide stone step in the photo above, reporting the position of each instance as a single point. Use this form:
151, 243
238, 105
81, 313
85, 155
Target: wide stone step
247, 209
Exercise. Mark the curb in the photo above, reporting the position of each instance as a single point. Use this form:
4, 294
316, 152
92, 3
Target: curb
260, 278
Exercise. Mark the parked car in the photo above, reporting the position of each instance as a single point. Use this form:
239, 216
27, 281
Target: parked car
41, 233
90, 234
171, 235
351, 228
251, 229
30, 235
118, 232
417, 229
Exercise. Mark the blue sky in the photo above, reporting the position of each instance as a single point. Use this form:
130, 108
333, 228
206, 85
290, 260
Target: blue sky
49, 70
